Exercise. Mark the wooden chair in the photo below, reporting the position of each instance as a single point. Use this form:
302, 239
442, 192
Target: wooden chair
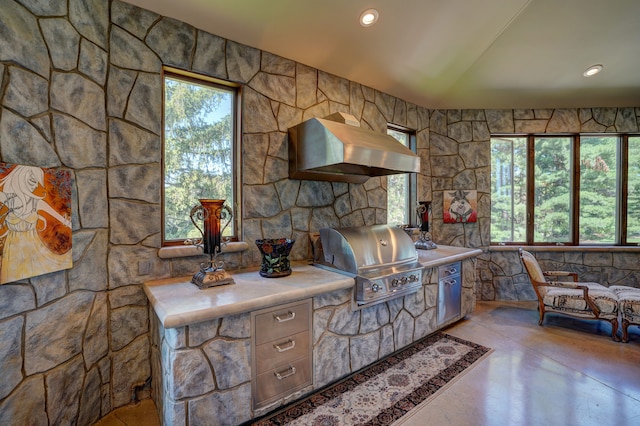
581, 300
629, 301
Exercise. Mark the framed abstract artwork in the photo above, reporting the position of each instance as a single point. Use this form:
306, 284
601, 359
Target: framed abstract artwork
460, 206
35, 221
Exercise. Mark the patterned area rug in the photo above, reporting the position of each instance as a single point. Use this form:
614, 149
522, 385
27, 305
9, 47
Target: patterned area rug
384, 392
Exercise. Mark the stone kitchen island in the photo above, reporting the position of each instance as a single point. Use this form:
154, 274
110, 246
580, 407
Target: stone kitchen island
202, 339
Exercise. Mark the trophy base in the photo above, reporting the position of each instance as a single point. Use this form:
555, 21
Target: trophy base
425, 243
209, 277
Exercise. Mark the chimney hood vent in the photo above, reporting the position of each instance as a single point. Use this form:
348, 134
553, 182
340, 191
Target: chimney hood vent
337, 149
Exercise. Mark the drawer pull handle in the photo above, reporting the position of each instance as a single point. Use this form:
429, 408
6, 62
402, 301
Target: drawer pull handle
290, 315
287, 373
452, 271
290, 345
451, 282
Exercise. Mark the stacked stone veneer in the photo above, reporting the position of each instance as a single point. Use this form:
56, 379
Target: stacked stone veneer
205, 368
503, 277
80, 89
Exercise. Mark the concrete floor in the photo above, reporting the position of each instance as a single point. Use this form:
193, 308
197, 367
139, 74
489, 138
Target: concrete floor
568, 372
142, 414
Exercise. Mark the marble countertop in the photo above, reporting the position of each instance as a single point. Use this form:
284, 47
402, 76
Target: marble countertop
445, 254
178, 303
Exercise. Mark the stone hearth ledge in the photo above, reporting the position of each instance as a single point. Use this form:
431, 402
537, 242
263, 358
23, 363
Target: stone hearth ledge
178, 303
193, 250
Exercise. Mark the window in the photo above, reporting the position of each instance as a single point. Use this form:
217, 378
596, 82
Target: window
401, 188
508, 189
552, 189
577, 189
633, 191
599, 189
200, 116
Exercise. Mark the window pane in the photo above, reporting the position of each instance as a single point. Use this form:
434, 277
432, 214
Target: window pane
552, 181
598, 189
198, 151
398, 204
633, 197
508, 189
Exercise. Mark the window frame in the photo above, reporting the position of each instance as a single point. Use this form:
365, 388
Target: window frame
412, 183
621, 193
574, 184
236, 149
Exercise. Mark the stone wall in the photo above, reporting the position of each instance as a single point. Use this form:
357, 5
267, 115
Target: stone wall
501, 275
460, 154
206, 368
80, 89
500, 272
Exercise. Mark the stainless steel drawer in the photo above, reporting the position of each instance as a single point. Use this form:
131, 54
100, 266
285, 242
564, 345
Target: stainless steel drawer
449, 270
281, 351
281, 354
449, 292
282, 380
282, 322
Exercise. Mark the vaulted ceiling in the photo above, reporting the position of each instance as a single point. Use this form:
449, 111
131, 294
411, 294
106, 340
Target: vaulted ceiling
446, 53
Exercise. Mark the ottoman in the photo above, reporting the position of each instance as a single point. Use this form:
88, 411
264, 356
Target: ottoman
629, 302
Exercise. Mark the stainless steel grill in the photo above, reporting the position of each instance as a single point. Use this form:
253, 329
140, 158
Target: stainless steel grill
382, 259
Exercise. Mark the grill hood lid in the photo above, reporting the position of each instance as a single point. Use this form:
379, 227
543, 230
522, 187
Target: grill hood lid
361, 248
336, 148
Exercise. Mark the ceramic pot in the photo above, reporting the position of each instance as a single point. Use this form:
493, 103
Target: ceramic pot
275, 257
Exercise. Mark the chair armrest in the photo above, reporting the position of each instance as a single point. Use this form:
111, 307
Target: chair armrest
563, 284
575, 286
556, 274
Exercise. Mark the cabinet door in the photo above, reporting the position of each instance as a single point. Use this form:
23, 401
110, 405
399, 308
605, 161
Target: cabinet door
449, 298
449, 292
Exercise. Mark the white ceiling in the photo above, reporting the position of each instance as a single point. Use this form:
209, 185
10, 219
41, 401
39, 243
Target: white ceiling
446, 53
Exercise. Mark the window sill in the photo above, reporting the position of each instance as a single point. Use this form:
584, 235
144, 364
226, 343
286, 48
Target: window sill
619, 249
188, 251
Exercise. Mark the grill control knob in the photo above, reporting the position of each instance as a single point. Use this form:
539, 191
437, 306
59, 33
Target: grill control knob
404, 280
413, 278
395, 282
375, 288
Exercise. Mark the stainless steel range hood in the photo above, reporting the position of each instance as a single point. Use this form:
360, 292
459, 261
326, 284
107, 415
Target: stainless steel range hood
336, 148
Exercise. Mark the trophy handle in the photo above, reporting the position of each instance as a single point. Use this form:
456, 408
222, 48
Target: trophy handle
200, 213
421, 210
225, 213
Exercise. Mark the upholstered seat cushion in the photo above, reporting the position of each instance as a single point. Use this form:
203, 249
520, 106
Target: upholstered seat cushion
629, 298
572, 300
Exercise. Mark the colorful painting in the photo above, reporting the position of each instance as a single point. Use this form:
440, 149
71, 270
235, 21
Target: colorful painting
460, 206
35, 221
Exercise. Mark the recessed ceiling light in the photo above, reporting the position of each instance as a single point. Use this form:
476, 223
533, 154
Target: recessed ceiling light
592, 70
368, 17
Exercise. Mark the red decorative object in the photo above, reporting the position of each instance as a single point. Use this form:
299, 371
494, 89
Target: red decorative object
424, 210
460, 206
211, 212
